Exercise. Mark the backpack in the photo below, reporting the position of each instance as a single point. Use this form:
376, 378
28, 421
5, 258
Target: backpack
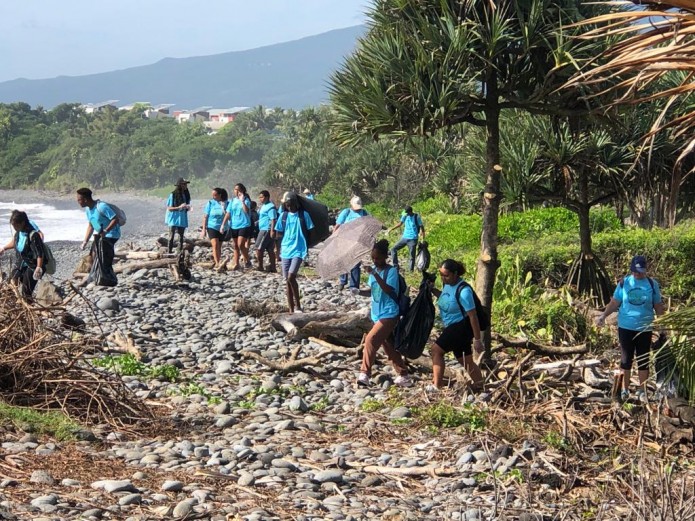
49, 261
402, 298
120, 214
480, 310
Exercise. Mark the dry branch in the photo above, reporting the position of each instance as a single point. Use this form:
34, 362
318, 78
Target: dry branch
524, 343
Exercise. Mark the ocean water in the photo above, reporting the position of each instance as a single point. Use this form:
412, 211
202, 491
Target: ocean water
56, 225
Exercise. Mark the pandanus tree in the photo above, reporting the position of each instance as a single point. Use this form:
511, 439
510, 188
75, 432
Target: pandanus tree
431, 64
651, 60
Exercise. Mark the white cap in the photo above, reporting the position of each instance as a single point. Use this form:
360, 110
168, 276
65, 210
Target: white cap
286, 196
356, 202
307, 191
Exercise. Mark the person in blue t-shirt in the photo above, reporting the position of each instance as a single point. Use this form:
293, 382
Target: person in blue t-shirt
213, 217
413, 226
178, 206
103, 226
383, 288
461, 326
293, 226
350, 214
28, 243
637, 298
239, 215
265, 241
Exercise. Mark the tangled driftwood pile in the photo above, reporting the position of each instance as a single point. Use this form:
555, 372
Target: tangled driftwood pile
41, 366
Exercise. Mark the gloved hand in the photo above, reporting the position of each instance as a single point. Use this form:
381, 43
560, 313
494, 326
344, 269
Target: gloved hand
600, 321
83, 245
478, 345
38, 273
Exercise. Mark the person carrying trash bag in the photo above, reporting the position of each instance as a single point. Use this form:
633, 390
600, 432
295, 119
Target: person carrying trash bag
413, 227
105, 228
458, 308
384, 286
31, 254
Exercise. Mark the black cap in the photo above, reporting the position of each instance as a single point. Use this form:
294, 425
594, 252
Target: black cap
408, 209
181, 181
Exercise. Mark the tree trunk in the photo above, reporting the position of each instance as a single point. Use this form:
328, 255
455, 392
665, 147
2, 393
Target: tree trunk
488, 261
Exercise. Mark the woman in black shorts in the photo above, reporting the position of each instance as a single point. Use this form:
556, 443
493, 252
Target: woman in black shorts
213, 219
461, 326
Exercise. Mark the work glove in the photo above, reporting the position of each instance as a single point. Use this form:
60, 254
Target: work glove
38, 273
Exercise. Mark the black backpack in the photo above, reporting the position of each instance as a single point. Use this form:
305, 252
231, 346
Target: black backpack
480, 310
402, 298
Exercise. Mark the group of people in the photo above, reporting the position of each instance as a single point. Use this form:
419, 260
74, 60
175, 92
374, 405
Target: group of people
282, 233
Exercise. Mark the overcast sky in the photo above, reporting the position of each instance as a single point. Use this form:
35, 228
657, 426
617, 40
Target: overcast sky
47, 38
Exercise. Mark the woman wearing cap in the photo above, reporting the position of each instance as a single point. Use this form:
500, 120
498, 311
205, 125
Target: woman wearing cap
461, 326
350, 214
213, 218
637, 298
239, 215
178, 205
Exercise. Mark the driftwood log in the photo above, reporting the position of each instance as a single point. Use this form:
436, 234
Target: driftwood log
340, 328
128, 267
188, 244
524, 343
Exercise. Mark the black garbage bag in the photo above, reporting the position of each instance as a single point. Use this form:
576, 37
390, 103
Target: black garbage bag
319, 216
102, 273
413, 330
422, 261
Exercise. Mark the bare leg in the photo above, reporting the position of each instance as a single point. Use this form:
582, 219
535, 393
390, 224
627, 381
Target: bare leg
235, 252
216, 250
244, 249
473, 370
437, 365
259, 258
294, 290
288, 292
626, 379
271, 258
643, 376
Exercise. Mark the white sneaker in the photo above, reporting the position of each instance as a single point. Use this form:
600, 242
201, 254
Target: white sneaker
431, 388
363, 379
403, 381
298, 311
355, 291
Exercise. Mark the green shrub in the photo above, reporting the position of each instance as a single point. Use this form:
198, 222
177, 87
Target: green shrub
446, 416
128, 365
53, 424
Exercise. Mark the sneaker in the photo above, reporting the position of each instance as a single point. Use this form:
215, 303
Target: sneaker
641, 396
624, 395
355, 291
363, 379
431, 389
298, 311
403, 381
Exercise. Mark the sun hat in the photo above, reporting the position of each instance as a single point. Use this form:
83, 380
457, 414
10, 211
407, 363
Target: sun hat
356, 202
638, 264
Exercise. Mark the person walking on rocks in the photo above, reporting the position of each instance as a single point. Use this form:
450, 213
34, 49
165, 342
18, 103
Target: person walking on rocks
28, 242
355, 211
239, 215
265, 241
213, 218
461, 326
293, 227
383, 289
178, 206
413, 226
103, 226
637, 298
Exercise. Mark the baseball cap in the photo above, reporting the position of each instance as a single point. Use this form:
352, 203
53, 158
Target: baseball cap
182, 181
639, 264
288, 196
408, 209
307, 191
356, 202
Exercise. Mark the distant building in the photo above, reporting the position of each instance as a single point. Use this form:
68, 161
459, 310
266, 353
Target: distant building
91, 108
220, 117
201, 114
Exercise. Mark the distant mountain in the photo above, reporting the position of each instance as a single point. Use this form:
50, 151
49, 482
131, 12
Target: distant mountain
289, 75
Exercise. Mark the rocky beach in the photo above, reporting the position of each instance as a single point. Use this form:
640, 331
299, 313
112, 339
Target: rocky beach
236, 436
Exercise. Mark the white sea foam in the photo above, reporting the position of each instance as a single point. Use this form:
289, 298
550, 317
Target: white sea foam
56, 225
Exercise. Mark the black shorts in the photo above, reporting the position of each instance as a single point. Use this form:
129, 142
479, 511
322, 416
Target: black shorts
245, 233
457, 338
634, 343
264, 241
215, 234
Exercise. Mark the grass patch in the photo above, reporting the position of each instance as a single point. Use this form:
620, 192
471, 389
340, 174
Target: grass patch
128, 365
445, 416
372, 405
54, 424
191, 388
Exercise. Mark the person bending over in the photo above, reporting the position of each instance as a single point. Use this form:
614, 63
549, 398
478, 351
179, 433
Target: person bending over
413, 226
28, 242
103, 226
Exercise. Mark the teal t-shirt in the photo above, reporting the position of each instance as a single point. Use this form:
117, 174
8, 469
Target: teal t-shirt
267, 213
348, 214
293, 243
383, 305
100, 216
411, 226
23, 237
177, 218
449, 310
215, 210
238, 217
637, 299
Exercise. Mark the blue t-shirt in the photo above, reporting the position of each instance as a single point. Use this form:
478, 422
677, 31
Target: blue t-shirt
411, 226
449, 310
215, 210
267, 213
293, 243
309, 196
348, 214
637, 299
239, 218
176, 217
23, 237
383, 305
100, 216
